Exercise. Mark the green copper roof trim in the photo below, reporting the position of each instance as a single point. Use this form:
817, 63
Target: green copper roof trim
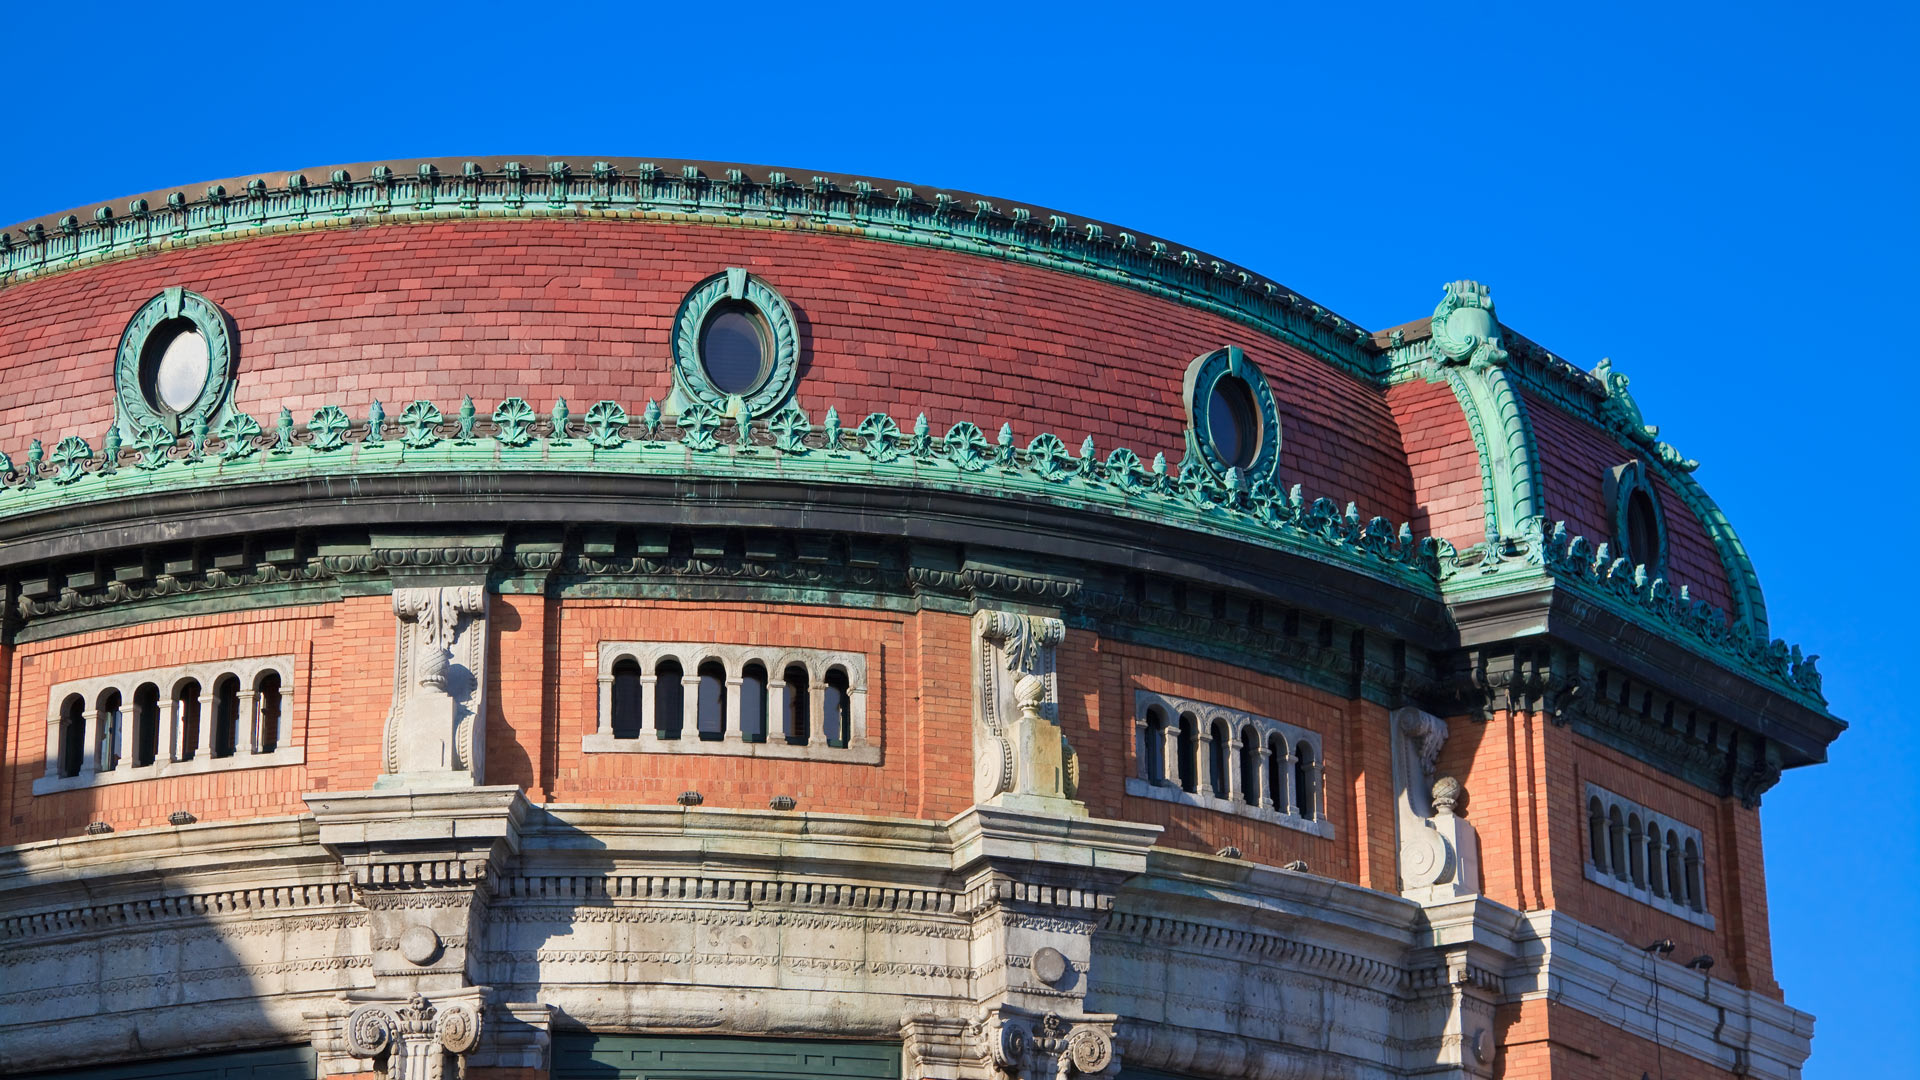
703, 444
1466, 351
646, 192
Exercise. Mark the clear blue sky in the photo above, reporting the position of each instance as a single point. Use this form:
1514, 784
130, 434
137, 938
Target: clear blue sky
1721, 198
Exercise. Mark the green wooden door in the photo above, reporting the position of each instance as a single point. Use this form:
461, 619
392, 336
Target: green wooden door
580, 1056
286, 1063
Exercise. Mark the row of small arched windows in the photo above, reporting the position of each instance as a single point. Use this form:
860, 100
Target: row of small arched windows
1259, 772
763, 703
1645, 854
241, 718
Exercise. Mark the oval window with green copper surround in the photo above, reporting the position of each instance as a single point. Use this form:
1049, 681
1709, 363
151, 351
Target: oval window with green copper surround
175, 365
735, 341
1232, 422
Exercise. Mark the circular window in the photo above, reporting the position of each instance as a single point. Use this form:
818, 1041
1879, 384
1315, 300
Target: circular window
174, 366
1233, 423
1232, 420
1643, 530
735, 345
733, 349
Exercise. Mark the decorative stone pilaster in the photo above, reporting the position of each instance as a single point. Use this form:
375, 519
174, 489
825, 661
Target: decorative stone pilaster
1439, 851
435, 733
1021, 758
424, 865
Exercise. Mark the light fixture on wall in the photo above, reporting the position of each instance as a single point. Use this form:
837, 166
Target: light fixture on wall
1703, 962
1663, 946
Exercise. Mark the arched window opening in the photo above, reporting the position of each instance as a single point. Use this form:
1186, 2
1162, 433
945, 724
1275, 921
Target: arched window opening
1250, 766
1695, 894
1306, 782
186, 720
711, 718
1217, 749
107, 753
795, 712
1277, 772
1643, 530
626, 703
753, 702
73, 734
226, 716
1676, 869
267, 707
1636, 851
1656, 879
1153, 751
669, 699
146, 725
837, 703
1189, 753
1617, 842
1597, 833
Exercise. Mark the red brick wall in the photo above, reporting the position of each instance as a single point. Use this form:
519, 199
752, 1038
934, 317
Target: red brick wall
585, 310
1449, 499
1575, 459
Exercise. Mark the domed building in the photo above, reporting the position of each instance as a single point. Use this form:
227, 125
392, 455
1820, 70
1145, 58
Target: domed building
531, 621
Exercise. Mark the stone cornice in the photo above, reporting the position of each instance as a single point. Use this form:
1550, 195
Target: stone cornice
702, 192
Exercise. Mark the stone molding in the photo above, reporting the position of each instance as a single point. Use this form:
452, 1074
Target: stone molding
1021, 758
955, 915
435, 732
859, 747
119, 768
1283, 810
1439, 852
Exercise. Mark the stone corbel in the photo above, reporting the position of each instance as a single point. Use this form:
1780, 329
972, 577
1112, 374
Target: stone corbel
434, 734
1021, 758
398, 1040
1439, 851
1020, 1045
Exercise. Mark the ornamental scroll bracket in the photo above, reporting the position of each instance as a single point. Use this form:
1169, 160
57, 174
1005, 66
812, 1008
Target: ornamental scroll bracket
1439, 851
1021, 757
434, 734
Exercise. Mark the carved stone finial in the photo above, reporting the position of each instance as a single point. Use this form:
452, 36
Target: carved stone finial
1446, 794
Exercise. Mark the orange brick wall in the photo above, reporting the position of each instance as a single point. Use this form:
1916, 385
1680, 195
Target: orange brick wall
1526, 798
1539, 1040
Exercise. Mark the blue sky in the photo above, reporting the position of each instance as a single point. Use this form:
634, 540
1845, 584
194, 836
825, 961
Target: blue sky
1722, 199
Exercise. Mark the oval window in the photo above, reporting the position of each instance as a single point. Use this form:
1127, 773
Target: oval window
733, 349
175, 366
1232, 422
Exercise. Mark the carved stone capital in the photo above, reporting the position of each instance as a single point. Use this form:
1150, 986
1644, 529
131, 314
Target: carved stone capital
1023, 1045
406, 1039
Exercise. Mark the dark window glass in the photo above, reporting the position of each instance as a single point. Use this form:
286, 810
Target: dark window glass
1277, 772
1189, 753
1306, 782
266, 706
712, 717
174, 365
796, 715
838, 706
626, 698
1217, 759
733, 350
1250, 767
753, 703
226, 716
146, 724
186, 714
1232, 423
1643, 530
110, 721
1155, 752
669, 700
73, 734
